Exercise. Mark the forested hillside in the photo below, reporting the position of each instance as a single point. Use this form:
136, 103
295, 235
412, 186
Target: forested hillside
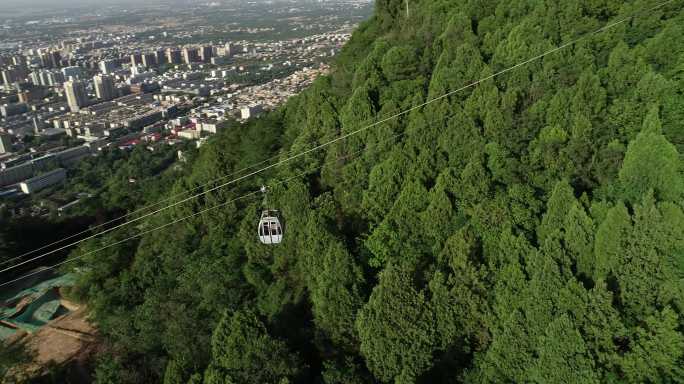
527, 229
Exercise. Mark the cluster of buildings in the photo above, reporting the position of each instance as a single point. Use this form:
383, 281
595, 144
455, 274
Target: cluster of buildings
62, 101
38, 85
272, 94
33, 172
241, 104
130, 113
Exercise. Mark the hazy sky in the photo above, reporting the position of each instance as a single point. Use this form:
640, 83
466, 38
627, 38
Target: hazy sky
64, 3
39, 6
57, 3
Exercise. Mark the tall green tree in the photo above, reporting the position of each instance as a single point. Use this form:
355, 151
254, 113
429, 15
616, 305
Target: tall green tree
396, 328
244, 352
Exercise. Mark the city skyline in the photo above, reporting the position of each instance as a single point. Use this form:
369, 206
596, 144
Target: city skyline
50, 4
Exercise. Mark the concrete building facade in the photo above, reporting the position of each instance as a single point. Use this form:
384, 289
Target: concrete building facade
43, 181
104, 87
76, 95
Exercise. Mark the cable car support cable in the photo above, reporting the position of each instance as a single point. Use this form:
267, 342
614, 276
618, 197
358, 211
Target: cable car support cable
326, 144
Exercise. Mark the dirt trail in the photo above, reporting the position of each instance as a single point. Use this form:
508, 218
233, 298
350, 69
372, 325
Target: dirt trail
69, 340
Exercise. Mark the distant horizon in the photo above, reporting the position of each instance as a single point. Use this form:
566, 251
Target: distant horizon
40, 6
69, 3
27, 7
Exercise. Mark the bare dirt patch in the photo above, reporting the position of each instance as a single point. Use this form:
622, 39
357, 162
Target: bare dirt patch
68, 342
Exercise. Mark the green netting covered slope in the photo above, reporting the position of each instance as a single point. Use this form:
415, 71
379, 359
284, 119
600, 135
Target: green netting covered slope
42, 303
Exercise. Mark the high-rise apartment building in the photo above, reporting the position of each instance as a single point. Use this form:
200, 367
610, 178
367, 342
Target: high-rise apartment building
190, 55
5, 143
148, 60
104, 87
12, 75
72, 72
55, 59
136, 59
108, 66
76, 95
55, 78
160, 57
173, 56
206, 53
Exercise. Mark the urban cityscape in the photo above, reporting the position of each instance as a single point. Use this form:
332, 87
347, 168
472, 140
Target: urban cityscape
341, 191
109, 81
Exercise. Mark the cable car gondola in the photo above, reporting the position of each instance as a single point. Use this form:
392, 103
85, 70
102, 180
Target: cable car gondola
270, 230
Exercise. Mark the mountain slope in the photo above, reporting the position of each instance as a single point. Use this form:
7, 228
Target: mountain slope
528, 229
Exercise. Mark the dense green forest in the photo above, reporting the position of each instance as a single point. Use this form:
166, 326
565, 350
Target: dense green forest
528, 229
107, 186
